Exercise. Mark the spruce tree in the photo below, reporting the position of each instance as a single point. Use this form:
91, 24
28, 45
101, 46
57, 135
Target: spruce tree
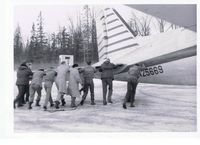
41, 39
18, 46
32, 49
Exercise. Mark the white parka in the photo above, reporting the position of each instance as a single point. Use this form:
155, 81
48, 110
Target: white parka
62, 77
74, 81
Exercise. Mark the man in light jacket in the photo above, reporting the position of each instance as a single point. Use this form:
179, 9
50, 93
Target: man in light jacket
62, 77
74, 81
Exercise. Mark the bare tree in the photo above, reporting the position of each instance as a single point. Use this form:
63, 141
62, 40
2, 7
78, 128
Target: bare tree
161, 24
141, 26
133, 26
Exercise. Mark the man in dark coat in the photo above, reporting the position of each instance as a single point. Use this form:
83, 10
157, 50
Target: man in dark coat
107, 77
88, 75
23, 76
133, 76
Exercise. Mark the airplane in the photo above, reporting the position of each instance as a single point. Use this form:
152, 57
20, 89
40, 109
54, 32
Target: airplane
169, 57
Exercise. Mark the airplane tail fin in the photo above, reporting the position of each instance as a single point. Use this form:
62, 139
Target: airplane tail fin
113, 34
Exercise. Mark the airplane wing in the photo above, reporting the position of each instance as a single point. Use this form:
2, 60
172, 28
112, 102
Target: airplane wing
117, 42
180, 14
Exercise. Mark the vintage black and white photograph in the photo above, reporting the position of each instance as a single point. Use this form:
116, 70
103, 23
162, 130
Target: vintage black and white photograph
105, 68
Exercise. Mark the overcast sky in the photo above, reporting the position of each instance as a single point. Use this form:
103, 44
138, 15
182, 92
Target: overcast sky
54, 16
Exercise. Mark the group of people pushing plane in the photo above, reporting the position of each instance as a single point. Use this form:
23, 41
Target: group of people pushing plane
67, 80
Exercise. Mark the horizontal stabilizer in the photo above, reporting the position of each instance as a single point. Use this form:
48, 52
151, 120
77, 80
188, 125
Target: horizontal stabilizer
116, 41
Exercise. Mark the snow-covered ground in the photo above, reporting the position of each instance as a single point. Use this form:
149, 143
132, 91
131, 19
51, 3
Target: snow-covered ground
158, 108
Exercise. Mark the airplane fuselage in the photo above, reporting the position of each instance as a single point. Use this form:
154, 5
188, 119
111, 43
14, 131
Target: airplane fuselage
171, 73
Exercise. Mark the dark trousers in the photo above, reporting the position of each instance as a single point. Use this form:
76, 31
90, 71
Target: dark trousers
26, 97
21, 93
131, 89
107, 84
88, 84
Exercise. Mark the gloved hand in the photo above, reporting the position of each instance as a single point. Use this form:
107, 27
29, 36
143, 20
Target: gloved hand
119, 64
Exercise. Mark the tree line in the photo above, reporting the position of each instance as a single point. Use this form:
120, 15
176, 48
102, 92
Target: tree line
73, 39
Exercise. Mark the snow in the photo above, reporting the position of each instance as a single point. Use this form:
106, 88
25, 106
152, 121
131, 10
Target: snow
158, 108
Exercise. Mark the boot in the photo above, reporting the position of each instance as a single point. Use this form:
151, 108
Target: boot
109, 99
132, 102
73, 105
81, 102
92, 103
132, 105
63, 102
45, 108
37, 103
20, 105
124, 106
23, 102
129, 99
105, 103
29, 105
57, 104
